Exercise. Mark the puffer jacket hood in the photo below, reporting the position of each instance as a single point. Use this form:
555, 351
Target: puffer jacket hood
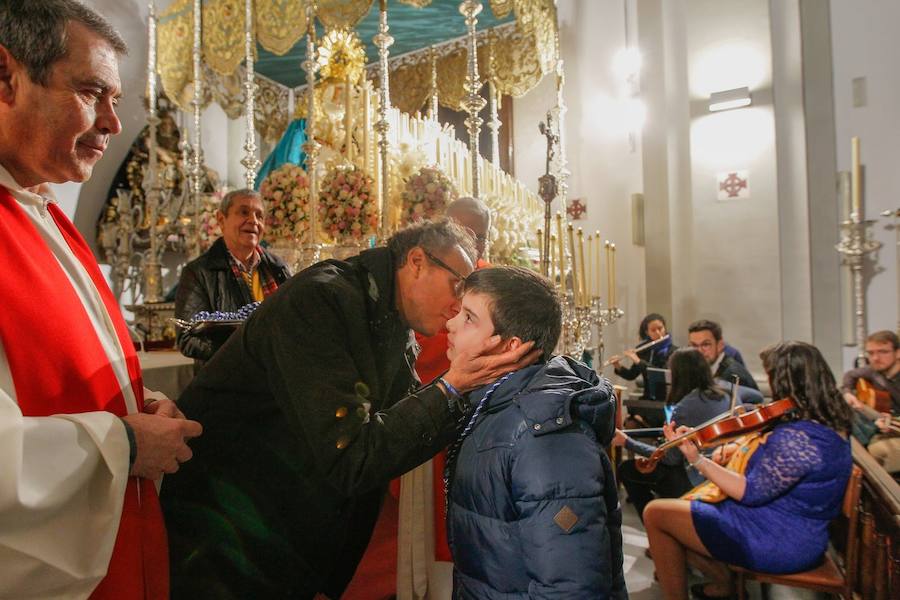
552, 394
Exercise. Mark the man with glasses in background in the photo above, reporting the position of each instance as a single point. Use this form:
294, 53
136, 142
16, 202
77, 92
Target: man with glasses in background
883, 375
310, 410
706, 336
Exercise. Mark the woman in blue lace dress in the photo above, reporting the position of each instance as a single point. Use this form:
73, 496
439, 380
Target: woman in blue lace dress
775, 515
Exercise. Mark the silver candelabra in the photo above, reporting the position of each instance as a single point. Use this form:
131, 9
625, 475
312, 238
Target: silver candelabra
856, 243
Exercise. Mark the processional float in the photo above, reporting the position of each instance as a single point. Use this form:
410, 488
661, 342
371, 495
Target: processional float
366, 146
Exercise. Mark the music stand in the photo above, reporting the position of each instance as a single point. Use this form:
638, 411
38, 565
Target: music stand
657, 383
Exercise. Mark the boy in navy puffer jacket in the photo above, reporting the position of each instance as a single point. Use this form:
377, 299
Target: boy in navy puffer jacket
533, 510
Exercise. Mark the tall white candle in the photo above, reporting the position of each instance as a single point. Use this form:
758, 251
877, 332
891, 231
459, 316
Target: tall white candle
554, 263
589, 267
857, 178
612, 292
561, 251
598, 273
609, 282
582, 285
573, 257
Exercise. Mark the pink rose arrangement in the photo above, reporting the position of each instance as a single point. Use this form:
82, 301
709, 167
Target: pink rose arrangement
285, 192
347, 208
426, 194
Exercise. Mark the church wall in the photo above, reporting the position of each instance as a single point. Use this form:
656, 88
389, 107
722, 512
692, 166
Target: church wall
863, 35
723, 257
666, 159
736, 251
605, 169
791, 157
821, 213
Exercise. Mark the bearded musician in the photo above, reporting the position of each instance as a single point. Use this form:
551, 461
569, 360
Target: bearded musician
873, 425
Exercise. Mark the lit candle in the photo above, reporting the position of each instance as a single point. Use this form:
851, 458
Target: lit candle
589, 267
571, 232
609, 281
857, 178
612, 292
582, 284
562, 252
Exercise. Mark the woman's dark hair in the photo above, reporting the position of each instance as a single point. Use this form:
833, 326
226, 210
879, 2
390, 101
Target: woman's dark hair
645, 323
690, 372
798, 370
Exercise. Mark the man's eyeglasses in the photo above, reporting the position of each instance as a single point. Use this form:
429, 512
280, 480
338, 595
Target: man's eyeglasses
459, 285
703, 344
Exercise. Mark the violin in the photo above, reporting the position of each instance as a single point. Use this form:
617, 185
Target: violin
722, 429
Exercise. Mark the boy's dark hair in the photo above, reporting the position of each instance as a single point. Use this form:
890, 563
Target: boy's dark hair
522, 304
706, 325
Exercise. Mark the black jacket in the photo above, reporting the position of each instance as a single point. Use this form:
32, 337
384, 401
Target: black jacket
730, 367
208, 283
307, 416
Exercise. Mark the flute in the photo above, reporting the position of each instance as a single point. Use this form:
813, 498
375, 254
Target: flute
640, 348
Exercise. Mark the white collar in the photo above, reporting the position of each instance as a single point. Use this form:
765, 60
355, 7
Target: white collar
21, 194
715, 366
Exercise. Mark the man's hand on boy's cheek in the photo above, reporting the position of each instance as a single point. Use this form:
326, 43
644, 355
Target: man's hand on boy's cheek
469, 371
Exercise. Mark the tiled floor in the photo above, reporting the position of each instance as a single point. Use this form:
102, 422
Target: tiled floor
639, 569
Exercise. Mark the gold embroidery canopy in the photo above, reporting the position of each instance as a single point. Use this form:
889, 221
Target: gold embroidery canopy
522, 54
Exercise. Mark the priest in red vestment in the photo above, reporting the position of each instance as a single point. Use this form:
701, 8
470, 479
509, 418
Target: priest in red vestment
80, 441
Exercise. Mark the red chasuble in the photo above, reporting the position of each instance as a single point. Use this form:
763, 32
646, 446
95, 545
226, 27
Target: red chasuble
58, 365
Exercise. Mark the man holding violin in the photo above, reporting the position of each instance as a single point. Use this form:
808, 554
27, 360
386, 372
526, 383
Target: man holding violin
874, 392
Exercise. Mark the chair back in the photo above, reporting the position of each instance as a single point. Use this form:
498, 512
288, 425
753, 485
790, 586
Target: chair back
850, 511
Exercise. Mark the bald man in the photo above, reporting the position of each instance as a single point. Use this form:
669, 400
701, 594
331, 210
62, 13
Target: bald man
474, 215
